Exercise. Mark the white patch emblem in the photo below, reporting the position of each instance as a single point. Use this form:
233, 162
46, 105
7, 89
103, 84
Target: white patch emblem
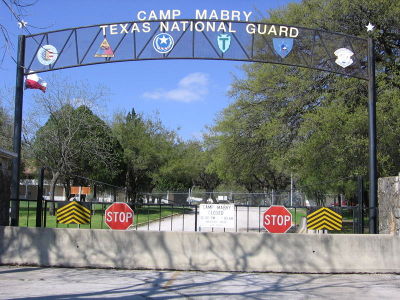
47, 54
163, 43
344, 57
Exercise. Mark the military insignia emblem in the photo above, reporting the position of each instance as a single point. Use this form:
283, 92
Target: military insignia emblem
344, 57
47, 54
283, 46
163, 43
104, 50
224, 42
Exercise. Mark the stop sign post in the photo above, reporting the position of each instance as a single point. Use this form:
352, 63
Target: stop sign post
119, 216
277, 219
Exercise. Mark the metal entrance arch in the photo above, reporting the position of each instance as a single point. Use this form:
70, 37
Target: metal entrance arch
198, 39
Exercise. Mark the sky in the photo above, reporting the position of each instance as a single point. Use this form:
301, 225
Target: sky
186, 94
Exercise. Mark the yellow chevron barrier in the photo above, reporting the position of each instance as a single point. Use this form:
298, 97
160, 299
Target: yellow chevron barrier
324, 218
73, 213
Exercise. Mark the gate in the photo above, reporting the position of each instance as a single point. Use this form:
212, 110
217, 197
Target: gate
197, 39
175, 212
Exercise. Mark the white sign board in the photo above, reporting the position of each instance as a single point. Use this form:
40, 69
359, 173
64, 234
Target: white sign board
217, 215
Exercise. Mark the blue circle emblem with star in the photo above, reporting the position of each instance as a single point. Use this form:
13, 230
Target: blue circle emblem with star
163, 43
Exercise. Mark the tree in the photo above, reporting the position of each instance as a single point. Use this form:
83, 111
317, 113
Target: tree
5, 144
146, 145
339, 122
241, 155
332, 148
74, 140
5, 128
180, 171
207, 177
314, 123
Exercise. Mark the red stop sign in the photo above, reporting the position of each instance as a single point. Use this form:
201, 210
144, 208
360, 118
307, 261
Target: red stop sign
119, 216
277, 219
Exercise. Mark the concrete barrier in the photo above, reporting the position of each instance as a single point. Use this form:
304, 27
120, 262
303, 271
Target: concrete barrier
249, 252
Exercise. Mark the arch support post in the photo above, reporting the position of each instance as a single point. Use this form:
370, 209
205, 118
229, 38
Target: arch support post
373, 213
19, 95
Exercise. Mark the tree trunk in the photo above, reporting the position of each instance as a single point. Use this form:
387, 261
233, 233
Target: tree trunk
54, 179
67, 187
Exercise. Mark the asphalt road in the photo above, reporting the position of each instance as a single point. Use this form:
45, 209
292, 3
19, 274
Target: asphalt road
66, 283
248, 219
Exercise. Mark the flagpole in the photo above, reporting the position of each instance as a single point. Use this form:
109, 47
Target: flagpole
19, 95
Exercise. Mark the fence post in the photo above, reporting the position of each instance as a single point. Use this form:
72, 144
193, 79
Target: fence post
94, 191
39, 199
360, 198
45, 214
236, 227
195, 218
272, 197
159, 222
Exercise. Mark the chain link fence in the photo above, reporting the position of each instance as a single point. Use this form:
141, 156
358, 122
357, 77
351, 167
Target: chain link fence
295, 198
96, 191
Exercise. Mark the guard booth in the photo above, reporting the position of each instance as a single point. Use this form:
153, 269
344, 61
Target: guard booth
6, 158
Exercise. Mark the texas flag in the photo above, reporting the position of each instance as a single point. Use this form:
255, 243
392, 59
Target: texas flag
33, 81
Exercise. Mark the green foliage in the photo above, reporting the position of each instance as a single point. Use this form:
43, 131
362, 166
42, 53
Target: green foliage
77, 142
240, 155
157, 161
147, 146
388, 129
101, 146
332, 145
313, 124
5, 129
181, 170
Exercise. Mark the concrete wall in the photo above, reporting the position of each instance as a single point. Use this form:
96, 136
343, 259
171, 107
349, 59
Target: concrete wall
389, 204
200, 251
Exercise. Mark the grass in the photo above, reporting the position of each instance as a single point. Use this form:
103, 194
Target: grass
151, 213
143, 215
297, 214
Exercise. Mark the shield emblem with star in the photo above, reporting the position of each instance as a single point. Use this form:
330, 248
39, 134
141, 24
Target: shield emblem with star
283, 46
224, 42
